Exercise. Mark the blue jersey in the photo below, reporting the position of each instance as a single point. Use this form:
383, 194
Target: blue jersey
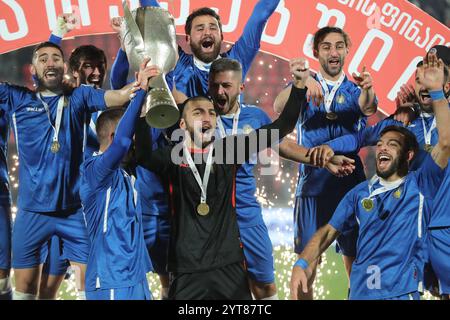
5, 195
248, 208
153, 195
49, 182
193, 81
313, 128
369, 136
118, 256
391, 242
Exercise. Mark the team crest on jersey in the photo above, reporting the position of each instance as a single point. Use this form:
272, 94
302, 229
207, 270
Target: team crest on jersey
340, 99
398, 193
247, 129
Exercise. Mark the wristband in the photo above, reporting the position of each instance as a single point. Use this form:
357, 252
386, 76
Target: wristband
302, 263
436, 95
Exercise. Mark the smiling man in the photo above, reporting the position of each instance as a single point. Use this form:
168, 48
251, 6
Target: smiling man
48, 126
344, 110
391, 210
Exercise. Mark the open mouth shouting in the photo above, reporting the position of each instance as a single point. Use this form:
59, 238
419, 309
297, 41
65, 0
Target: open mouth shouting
384, 161
208, 44
425, 97
334, 62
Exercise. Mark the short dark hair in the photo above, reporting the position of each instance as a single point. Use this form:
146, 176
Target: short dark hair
205, 11
47, 44
225, 64
323, 32
106, 120
182, 107
86, 52
411, 143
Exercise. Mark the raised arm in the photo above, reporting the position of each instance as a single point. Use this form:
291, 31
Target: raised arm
432, 77
248, 43
123, 137
367, 100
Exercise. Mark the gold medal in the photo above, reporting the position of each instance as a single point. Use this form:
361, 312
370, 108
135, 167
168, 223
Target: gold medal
397, 193
247, 129
340, 99
428, 147
203, 209
55, 147
367, 204
331, 116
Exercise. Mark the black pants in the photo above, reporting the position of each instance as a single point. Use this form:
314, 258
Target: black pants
226, 283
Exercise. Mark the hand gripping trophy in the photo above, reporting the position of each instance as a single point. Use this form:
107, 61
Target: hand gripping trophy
150, 32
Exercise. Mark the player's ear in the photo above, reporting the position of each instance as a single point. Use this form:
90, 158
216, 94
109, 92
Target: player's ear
182, 124
242, 87
315, 53
410, 155
65, 68
32, 69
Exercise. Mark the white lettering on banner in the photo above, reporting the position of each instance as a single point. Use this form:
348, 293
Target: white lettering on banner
278, 38
362, 3
365, 44
82, 9
325, 18
22, 24
405, 25
235, 10
409, 71
434, 42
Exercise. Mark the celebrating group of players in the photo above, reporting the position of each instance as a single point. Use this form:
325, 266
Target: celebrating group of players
114, 198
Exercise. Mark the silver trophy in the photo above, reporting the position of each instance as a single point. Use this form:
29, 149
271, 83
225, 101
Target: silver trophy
150, 32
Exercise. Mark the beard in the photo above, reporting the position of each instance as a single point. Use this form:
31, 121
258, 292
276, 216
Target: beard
399, 166
333, 71
206, 57
53, 83
197, 138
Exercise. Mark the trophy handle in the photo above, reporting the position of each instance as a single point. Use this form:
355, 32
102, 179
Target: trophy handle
133, 28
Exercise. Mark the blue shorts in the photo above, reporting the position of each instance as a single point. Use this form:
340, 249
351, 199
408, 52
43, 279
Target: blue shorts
312, 213
54, 265
156, 235
5, 236
32, 231
409, 296
137, 292
439, 256
258, 253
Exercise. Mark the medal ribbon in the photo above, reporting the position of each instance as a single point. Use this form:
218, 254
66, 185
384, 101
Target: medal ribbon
235, 124
59, 112
383, 189
202, 184
427, 133
329, 96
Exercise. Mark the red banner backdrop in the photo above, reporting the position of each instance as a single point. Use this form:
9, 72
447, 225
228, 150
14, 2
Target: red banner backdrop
389, 37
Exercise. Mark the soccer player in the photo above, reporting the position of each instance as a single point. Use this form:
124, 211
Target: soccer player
87, 64
390, 209
205, 255
5, 212
48, 126
424, 129
225, 87
204, 36
118, 259
344, 110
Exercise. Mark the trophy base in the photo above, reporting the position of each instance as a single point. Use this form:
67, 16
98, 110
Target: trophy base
162, 116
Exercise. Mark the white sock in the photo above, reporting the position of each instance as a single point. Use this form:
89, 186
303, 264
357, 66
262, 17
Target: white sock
274, 297
81, 295
5, 285
164, 293
23, 296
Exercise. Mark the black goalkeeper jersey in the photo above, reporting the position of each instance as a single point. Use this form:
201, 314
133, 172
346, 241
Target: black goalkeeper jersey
200, 243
